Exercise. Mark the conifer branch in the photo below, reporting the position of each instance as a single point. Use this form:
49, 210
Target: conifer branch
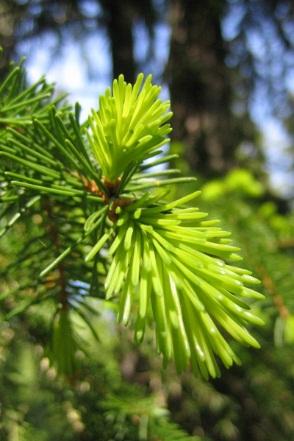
158, 259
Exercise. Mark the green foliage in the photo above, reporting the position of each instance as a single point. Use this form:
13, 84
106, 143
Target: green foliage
266, 237
153, 258
81, 243
129, 126
237, 181
152, 420
173, 262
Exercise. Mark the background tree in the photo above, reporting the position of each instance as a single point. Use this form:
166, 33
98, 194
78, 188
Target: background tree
210, 76
201, 86
29, 20
222, 72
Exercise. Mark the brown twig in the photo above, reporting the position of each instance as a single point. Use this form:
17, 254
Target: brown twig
278, 300
286, 243
111, 197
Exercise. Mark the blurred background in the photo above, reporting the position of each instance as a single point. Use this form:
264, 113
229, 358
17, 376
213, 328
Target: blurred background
228, 68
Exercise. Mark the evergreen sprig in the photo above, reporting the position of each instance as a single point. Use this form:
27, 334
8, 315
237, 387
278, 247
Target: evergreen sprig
130, 125
168, 260
151, 420
160, 260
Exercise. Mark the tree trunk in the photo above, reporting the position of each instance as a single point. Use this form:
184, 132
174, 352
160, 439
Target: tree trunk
119, 24
199, 84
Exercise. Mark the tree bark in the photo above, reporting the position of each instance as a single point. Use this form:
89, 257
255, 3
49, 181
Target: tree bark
119, 24
200, 86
